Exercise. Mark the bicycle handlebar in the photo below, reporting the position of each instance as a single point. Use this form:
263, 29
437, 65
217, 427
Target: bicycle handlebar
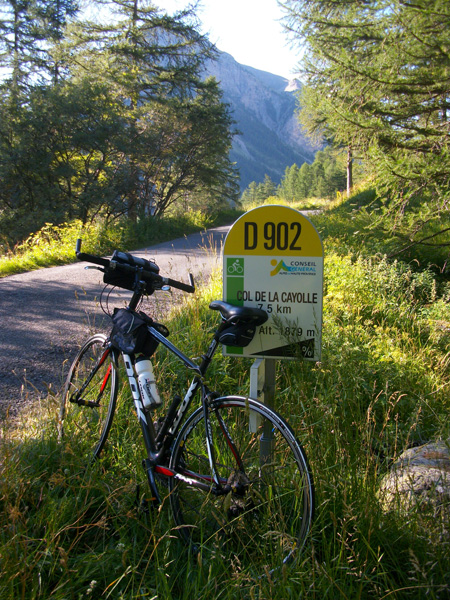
148, 270
97, 260
184, 287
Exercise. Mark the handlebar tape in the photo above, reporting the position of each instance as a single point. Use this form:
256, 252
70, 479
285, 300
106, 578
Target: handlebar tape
184, 287
97, 260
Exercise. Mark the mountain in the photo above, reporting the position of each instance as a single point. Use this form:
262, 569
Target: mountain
263, 105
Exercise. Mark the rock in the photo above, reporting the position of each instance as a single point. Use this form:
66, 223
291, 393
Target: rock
419, 480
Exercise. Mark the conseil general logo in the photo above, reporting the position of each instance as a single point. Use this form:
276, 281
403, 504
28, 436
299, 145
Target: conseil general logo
294, 267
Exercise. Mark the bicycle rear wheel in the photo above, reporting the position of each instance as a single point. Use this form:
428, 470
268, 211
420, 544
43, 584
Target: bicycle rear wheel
261, 512
89, 397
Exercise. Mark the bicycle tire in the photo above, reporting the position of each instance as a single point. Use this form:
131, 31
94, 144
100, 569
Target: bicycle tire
264, 522
90, 424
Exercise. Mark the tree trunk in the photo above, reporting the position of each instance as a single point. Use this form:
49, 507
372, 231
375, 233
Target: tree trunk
349, 171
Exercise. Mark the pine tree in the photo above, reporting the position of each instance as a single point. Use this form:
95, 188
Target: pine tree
268, 187
288, 185
304, 185
19, 37
378, 81
28, 31
54, 18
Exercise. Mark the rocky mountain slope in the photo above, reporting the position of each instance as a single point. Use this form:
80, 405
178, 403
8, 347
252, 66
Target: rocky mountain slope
263, 106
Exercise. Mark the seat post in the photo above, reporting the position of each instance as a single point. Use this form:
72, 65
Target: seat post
207, 357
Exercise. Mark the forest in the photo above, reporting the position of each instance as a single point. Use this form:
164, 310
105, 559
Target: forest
375, 99
104, 117
104, 111
324, 179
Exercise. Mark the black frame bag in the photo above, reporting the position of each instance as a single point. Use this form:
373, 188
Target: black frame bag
130, 332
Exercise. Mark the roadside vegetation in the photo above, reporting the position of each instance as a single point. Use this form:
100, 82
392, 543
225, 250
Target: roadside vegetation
106, 112
55, 244
79, 145
71, 530
309, 185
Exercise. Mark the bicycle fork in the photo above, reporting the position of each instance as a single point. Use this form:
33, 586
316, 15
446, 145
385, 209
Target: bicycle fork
76, 397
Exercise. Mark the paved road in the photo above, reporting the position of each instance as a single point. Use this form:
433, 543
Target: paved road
45, 314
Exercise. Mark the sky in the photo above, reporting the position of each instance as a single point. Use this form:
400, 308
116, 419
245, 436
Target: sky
249, 30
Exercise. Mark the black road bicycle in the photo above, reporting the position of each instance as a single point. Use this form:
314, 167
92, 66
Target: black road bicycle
237, 478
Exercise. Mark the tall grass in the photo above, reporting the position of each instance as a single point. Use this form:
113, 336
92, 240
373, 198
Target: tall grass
71, 530
302, 205
362, 225
55, 244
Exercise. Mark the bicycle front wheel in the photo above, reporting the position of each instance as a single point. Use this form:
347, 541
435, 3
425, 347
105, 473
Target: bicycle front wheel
259, 511
89, 397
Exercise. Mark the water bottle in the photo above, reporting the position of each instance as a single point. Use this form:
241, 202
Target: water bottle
147, 384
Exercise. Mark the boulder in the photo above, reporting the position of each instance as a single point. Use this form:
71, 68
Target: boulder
419, 480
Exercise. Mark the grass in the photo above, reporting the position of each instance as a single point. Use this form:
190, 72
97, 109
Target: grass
361, 225
55, 245
69, 531
305, 204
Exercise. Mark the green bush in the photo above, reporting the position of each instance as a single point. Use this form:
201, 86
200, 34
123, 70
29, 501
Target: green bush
54, 245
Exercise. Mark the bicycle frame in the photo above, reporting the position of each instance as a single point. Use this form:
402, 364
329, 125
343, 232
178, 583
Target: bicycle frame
157, 445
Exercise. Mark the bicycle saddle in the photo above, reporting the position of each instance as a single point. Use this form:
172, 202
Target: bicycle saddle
242, 313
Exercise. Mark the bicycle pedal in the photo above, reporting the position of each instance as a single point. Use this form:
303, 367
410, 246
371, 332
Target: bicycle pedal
144, 506
141, 502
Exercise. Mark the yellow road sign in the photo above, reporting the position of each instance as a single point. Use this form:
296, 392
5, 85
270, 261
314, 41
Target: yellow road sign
273, 259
